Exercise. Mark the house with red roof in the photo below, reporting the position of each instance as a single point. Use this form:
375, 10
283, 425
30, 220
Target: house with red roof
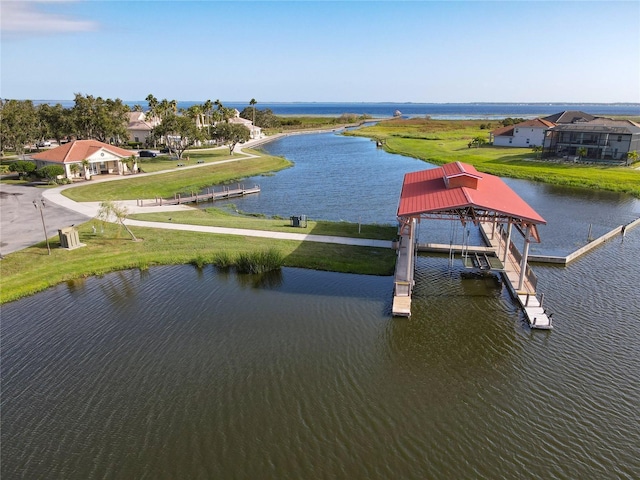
102, 158
523, 134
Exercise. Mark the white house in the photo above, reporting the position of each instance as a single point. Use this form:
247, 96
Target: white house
140, 127
256, 132
523, 134
102, 157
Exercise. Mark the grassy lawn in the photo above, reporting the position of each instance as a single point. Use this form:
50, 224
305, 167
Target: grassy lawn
167, 162
180, 181
440, 142
31, 270
215, 217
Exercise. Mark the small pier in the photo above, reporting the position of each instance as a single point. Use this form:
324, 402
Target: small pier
403, 279
210, 195
522, 287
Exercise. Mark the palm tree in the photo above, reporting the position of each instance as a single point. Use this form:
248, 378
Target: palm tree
253, 102
85, 166
582, 152
74, 168
207, 107
153, 106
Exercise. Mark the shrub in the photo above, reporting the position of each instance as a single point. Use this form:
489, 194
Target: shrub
223, 260
259, 262
23, 167
50, 172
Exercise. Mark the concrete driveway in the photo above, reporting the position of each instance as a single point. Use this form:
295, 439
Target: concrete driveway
20, 222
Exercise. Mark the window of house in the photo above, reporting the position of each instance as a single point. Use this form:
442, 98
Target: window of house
510, 140
619, 138
527, 141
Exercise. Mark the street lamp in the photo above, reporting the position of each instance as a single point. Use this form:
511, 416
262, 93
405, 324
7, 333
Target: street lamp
44, 228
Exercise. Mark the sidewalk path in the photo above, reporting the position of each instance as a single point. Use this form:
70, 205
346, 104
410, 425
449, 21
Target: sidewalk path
90, 210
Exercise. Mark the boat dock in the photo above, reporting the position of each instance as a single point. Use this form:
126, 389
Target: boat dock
210, 195
457, 192
403, 279
521, 287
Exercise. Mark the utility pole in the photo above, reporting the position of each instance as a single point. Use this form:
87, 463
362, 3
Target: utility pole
44, 228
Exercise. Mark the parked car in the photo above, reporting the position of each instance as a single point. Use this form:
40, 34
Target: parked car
45, 143
147, 153
165, 150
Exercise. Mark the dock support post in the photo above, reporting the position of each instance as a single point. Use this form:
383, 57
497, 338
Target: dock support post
525, 255
506, 245
541, 300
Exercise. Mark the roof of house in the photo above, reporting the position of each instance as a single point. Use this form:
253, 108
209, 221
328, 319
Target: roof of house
569, 116
602, 125
433, 191
533, 123
79, 150
503, 131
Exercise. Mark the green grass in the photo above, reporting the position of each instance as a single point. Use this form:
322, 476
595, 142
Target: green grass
440, 142
31, 270
214, 217
191, 157
180, 181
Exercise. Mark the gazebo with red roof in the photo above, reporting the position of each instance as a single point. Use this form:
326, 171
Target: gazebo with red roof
101, 157
457, 191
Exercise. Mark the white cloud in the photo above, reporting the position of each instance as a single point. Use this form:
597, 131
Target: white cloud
18, 17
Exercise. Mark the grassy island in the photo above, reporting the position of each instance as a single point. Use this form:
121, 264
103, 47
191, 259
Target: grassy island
444, 141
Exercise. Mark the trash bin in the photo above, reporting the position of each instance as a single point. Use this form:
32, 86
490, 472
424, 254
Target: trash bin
295, 221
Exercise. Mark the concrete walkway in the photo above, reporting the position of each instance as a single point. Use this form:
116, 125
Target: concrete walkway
90, 210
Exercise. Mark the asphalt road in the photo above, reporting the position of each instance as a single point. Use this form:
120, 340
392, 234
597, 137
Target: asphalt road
20, 221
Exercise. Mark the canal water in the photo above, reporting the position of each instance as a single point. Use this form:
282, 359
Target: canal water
179, 372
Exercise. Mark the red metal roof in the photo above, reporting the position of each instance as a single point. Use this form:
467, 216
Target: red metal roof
427, 191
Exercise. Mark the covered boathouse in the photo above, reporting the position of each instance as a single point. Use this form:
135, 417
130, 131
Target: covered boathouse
457, 191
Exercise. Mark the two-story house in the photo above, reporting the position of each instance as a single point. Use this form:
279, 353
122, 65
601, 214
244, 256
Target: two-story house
598, 139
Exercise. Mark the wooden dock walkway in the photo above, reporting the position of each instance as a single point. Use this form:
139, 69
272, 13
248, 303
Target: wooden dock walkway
210, 195
526, 295
403, 279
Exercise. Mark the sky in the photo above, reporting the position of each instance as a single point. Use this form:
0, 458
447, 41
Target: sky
322, 51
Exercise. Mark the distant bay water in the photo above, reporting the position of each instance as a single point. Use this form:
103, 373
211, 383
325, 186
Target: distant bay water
449, 111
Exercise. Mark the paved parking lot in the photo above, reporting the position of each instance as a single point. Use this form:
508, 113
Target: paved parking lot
20, 222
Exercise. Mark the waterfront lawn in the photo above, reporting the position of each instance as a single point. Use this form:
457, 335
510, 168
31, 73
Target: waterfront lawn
31, 270
180, 181
191, 157
214, 217
440, 142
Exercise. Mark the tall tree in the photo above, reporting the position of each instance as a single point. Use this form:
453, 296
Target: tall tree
83, 115
101, 119
253, 102
18, 125
57, 119
179, 132
153, 106
208, 107
231, 134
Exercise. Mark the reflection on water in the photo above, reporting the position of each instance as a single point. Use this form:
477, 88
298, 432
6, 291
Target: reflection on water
180, 372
